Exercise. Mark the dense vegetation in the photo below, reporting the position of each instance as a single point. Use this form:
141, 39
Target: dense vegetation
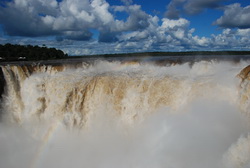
184, 53
10, 52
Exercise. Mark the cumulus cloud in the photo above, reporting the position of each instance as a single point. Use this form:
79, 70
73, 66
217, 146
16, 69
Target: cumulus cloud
150, 31
70, 18
235, 16
107, 36
127, 2
20, 19
171, 34
176, 35
181, 35
46, 17
231, 38
197, 6
137, 18
164, 38
175, 7
172, 9
73, 21
78, 35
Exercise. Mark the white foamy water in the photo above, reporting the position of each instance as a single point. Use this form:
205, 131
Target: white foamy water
111, 114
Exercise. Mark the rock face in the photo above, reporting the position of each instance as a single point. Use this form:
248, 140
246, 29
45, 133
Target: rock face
244, 73
76, 94
2, 83
26, 70
244, 90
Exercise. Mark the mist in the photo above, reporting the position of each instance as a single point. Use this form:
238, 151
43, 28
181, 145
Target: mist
110, 114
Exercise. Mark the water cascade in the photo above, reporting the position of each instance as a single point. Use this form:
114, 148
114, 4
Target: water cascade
126, 114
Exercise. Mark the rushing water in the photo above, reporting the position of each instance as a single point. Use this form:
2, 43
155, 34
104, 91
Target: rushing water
113, 114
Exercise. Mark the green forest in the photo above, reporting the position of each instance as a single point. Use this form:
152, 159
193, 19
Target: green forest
183, 53
11, 52
162, 54
15, 52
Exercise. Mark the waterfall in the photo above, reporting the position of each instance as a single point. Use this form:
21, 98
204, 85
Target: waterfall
126, 114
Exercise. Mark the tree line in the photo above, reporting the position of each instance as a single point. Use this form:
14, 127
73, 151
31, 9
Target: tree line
13, 52
179, 53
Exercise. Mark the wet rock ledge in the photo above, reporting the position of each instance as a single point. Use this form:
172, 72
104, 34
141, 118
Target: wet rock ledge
2, 83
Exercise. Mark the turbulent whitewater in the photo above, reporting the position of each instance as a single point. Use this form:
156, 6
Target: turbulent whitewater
126, 114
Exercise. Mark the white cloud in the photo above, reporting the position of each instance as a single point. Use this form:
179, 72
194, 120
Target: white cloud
201, 41
50, 17
127, 2
21, 3
172, 9
174, 24
244, 32
45, 17
100, 10
170, 35
197, 6
174, 35
232, 39
235, 16
48, 20
175, 7
137, 18
72, 21
177, 29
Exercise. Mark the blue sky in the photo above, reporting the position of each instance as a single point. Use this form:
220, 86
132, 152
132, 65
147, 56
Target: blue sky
83, 27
